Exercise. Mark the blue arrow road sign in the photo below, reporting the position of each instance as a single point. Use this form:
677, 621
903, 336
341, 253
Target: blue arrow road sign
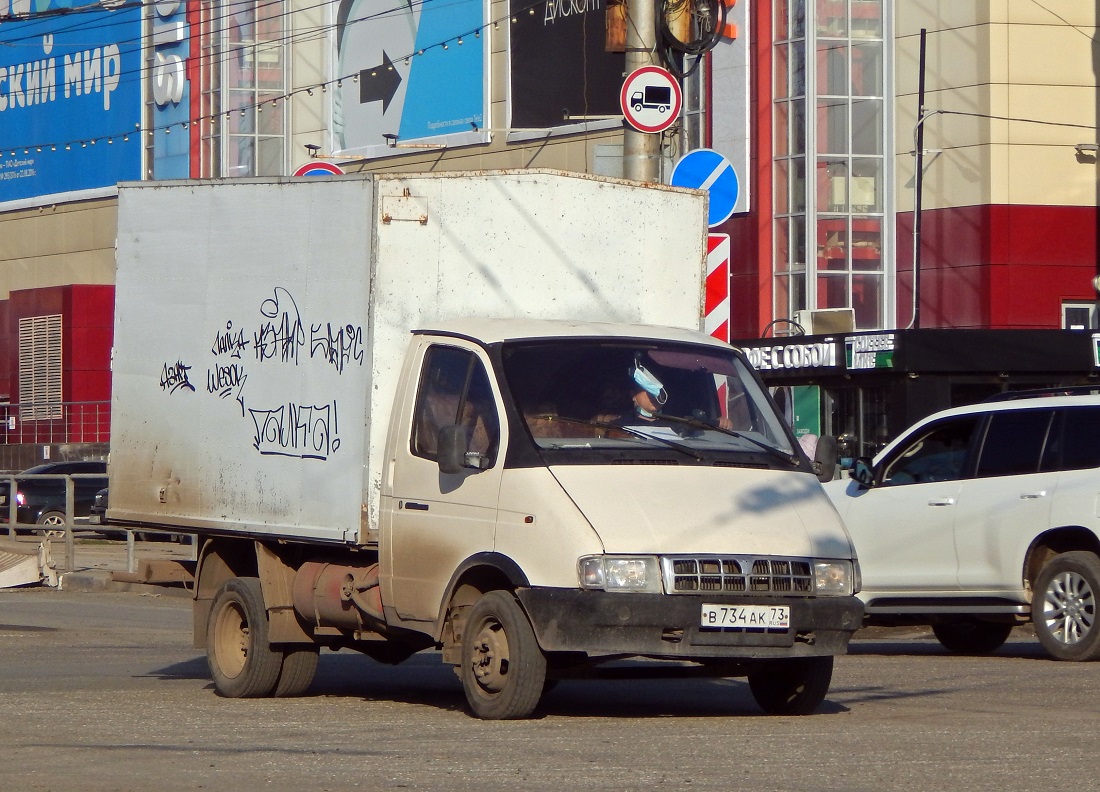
706, 169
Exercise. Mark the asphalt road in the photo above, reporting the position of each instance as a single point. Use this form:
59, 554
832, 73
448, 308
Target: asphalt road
104, 692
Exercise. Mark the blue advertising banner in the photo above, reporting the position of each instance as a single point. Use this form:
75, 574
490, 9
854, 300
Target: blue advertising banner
411, 72
170, 88
70, 90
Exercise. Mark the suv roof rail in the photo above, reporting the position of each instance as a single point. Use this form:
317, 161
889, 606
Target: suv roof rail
1039, 393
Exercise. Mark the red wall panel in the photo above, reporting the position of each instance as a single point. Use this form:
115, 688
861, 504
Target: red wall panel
998, 267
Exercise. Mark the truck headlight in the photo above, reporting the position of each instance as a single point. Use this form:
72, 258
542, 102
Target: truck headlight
620, 573
834, 578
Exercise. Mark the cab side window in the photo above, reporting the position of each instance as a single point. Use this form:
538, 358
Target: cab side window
937, 455
454, 390
1014, 442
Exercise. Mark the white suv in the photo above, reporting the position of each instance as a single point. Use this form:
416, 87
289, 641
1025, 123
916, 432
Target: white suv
978, 517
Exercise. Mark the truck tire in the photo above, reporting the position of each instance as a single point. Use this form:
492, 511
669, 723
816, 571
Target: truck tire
971, 636
299, 668
503, 669
791, 686
1064, 606
242, 662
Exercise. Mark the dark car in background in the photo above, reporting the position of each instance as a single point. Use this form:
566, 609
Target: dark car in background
41, 501
97, 514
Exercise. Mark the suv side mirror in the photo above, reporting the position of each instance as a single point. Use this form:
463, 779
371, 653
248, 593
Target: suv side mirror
863, 472
825, 458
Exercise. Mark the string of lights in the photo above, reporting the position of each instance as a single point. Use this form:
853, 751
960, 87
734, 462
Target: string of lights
222, 21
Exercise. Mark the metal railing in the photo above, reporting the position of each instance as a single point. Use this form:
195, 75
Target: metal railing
11, 508
48, 423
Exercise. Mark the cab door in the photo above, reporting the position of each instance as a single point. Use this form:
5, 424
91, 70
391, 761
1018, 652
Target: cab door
436, 520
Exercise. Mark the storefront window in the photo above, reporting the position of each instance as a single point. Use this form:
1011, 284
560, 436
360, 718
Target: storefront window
857, 418
842, 119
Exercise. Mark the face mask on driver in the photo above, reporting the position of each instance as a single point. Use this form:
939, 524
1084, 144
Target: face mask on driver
650, 384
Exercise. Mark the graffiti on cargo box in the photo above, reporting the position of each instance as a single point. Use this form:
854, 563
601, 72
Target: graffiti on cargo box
174, 376
297, 430
223, 380
302, 431
338, 345
229, 342
283, 335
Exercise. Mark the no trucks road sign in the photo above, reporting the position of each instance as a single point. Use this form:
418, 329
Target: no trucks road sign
651, 99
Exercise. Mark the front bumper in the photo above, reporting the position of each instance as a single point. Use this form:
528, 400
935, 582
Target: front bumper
668, 626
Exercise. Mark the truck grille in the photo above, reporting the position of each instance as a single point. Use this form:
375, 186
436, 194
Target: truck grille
738, 575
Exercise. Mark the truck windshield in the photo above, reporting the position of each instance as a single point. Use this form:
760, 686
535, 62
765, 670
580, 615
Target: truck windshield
694, 400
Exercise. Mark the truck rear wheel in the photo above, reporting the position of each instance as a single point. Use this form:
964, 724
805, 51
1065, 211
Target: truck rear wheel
242, 662
299, 668
503, 669
792, 686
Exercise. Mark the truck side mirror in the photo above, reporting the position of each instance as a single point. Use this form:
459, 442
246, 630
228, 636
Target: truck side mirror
825, 458
451, 449
863, 472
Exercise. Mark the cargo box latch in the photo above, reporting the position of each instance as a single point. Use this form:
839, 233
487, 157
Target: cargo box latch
404, 208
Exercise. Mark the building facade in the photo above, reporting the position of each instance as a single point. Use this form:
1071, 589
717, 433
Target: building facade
814, 101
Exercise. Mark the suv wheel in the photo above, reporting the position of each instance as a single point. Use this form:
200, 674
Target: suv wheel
1064, 606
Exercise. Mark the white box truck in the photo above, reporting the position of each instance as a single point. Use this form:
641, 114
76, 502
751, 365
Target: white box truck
463, 411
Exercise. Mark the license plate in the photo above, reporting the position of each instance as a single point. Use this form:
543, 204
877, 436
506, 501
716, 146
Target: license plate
746, 617
93, 519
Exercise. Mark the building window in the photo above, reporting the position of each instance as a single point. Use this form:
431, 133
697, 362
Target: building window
1079, 316
40, 368
244, 87
693, 129
833, 207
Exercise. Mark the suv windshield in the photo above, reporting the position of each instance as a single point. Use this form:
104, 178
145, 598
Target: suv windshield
698, 401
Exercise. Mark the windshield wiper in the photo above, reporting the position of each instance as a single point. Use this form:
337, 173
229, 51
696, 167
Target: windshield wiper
683, 449
790, 459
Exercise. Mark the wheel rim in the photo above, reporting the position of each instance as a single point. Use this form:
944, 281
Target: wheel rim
491, 658
53, 519
232, 640
1069, 608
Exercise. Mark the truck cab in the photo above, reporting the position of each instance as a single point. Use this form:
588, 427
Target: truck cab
519, 463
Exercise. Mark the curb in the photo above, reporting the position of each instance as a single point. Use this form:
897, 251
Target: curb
102, 581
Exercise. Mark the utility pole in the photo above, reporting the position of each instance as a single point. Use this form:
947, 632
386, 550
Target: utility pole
641, 150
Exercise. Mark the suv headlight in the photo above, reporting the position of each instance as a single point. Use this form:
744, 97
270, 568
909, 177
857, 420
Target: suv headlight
620, 573
834, 578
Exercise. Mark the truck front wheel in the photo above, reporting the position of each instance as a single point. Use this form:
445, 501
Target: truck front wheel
242, 662
792, 686
503, 669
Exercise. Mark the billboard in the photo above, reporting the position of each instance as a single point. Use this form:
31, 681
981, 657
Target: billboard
170, 90
409, 72
560, 71
70, 95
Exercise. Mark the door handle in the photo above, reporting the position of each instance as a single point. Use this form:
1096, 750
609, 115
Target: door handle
414, 506
1033, 495
942, 502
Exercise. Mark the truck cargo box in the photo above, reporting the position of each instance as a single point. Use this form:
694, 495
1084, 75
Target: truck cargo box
261, 324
